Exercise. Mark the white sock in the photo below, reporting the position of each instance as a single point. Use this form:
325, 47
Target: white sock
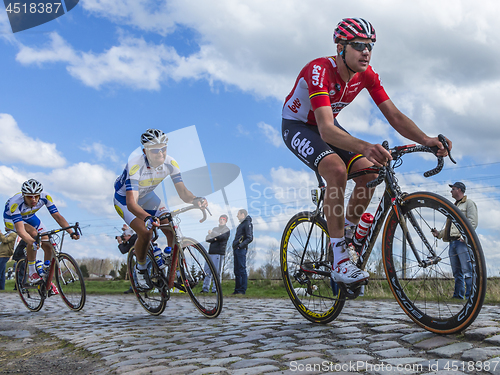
339, 252
31, 268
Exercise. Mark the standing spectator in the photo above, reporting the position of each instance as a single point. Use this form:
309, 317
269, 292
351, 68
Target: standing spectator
459, 256
6, 250
244, 235
217, 238
125, 242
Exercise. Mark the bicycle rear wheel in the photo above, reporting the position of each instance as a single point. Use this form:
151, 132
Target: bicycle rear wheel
194, 266
306, 270
153, 301
425, 293
70, 282
30, 295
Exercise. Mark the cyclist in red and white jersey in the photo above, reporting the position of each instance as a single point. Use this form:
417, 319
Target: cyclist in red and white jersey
311, 131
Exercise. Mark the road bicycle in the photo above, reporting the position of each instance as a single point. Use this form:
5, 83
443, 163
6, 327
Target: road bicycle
416, 264
186, 270
68, 276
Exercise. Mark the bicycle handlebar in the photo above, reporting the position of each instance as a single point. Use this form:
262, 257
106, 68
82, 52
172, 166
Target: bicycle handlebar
399, 151
170, 215
192, 207
75, 227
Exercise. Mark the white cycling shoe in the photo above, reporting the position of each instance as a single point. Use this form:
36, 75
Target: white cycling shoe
348, 273
142, 279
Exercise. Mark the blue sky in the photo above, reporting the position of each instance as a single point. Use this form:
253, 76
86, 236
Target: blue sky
78, 92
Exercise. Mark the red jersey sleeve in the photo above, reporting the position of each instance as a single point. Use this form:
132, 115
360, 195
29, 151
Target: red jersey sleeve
374, 86
317, 81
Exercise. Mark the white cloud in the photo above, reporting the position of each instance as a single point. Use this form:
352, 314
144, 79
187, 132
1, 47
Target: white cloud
259, 47
101, 152
11, 180
272, 135
17, 147
89, 184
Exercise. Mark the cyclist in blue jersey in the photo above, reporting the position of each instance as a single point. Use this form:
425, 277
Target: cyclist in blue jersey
136, 202
20, 216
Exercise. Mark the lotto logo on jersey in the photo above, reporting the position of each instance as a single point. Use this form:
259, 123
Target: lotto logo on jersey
316, 73
303, 146
295, 106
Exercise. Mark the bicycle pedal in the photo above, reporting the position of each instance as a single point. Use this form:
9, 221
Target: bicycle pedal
352, 291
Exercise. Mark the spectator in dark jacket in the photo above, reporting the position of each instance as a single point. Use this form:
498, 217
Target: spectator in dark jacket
217, 238
244, 235
7, 241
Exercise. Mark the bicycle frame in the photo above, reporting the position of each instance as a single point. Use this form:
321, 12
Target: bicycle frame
173, 227
55, 249
391, 200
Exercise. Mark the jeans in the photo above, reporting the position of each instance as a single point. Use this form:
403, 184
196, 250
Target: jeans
240, 270
461, 268
217, 260
3, 264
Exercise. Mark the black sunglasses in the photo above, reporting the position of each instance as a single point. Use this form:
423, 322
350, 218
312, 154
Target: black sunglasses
358, 46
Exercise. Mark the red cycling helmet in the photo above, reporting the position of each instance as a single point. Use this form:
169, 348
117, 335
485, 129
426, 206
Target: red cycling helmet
350, 28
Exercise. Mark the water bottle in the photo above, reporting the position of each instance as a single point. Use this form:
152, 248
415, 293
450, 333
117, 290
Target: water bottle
46, 266
362, 228
158, 257
167, 255
39, 267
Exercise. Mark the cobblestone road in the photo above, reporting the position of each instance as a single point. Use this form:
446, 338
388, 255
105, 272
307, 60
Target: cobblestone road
260, 336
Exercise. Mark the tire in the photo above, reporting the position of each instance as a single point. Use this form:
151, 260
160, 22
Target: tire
31, 296
425, 293
69, 279
193, 263
153, 301
326, 301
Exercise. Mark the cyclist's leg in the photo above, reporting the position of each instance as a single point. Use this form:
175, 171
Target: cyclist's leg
306, 143
361, 194
331, 163
143, 235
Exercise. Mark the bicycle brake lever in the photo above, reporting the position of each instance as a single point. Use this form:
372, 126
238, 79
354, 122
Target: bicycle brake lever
443, 140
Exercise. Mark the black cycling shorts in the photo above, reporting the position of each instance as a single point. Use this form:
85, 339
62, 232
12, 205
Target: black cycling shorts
306, 143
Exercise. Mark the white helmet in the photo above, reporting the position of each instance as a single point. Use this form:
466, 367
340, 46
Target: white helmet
31, 187
153, 137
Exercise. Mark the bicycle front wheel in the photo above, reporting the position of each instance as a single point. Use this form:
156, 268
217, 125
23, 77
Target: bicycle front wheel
306, 267
30, 295
197, 269
424, 289
153, 301
70, 282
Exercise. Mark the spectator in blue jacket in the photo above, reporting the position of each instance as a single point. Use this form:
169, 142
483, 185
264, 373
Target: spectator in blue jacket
244, 235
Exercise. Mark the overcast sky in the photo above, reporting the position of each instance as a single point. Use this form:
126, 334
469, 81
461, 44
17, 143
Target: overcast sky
79, 91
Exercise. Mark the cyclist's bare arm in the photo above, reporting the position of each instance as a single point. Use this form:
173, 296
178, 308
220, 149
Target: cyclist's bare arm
375, 153
25, 236
408, 129
64, 223
132, 197
185, 194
